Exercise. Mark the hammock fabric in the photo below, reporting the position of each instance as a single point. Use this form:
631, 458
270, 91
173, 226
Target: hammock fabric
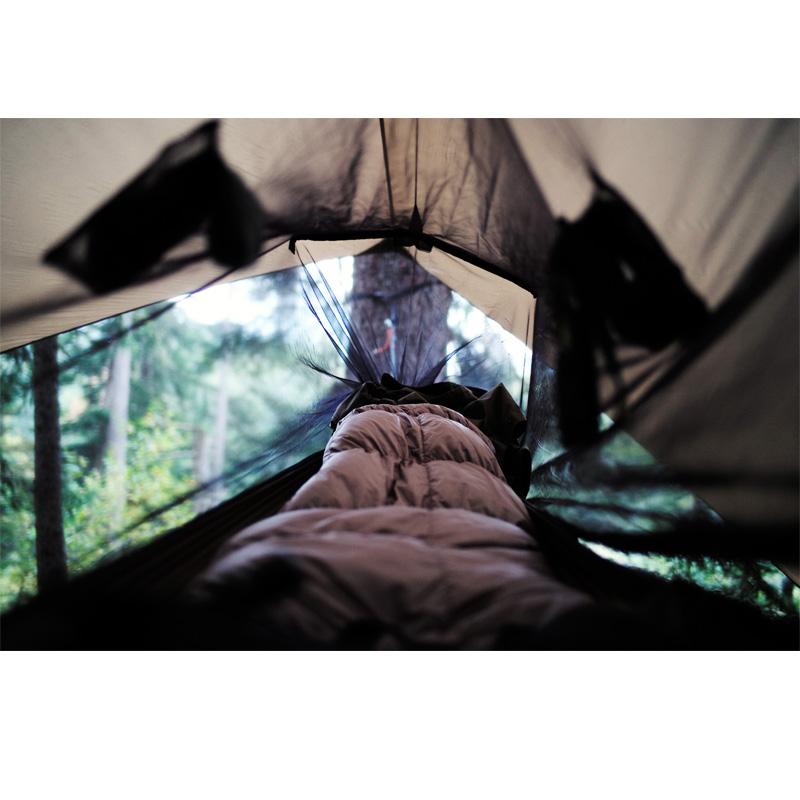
138, 600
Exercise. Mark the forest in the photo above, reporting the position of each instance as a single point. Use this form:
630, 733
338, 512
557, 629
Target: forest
185, 409
165, 411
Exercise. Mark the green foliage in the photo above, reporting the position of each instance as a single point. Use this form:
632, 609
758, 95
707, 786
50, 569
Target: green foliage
17, 549
153, 479
655, 505
759, 583
17, 535
174, 386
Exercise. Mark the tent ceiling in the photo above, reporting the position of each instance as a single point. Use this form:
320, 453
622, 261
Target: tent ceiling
315, 177
711, 189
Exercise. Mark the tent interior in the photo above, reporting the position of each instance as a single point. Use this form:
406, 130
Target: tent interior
187, 304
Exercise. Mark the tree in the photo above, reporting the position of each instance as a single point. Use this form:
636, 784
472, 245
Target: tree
51, 557
400, 312
210, 448
117, 401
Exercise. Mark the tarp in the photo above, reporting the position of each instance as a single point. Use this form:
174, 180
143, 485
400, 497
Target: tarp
478, 201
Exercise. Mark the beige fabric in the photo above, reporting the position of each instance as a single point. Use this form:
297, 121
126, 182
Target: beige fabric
715, 192
732, 416
408, 522
712, 189
55, 173
506, 303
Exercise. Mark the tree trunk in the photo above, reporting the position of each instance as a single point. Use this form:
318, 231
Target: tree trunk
51, 557
385, 296
117, 398
220, 430
202, 469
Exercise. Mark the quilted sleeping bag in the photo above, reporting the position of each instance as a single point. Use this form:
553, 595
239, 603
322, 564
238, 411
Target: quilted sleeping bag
409, 529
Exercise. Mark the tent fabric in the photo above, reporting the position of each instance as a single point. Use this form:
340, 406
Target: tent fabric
711, 189
320, 178
718, 194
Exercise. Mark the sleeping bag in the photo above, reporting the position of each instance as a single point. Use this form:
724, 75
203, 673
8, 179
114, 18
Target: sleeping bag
408, 536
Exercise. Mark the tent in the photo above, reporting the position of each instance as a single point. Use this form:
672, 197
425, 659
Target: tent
485, 206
